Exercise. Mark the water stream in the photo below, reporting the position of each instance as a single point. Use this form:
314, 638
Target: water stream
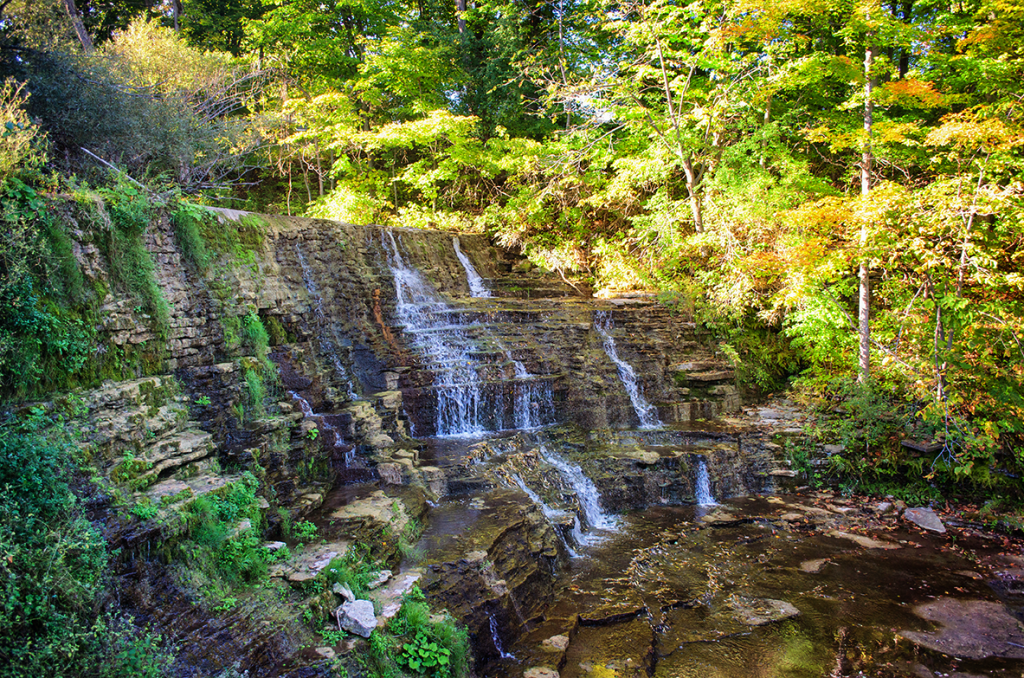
326, 344
645, 412
444, 345
586, 493
702, 486
477, 288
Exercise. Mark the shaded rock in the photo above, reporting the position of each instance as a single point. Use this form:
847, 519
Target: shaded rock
344, 591
555, 644
390, 597
972, 629
326, 652
357, 617
861, 540
760, 611
379, 579
925, 518
813, 566
274, 545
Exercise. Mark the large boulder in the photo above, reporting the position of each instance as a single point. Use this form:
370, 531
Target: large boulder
357, 617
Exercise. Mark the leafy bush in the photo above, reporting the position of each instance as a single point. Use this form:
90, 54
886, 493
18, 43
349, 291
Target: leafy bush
123, 217
42, 344
22, 146
187, 220
52, 572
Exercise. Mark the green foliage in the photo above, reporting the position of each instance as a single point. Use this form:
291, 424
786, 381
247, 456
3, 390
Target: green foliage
303, 531
42, 343
123, 217
425, 656
22, 146
53, 569
188, 233
218, 555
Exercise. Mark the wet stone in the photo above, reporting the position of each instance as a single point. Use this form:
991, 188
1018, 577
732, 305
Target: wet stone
862, 541
813, 566
924, 518
540, 672
971, 629
555, 644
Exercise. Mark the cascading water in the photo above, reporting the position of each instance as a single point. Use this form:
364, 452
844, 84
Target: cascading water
496, 639
326, 345
322, 423
531, 397
446, 348
647, 413
702, 486
549, 513
586, 492
466, 406
476, 283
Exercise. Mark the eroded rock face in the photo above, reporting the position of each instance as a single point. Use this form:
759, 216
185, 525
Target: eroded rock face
499, 567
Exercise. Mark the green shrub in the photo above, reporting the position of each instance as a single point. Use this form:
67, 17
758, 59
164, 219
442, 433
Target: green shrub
188, 220
122, 219
53, 570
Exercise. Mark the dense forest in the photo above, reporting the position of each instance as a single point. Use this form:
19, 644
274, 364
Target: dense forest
834, 188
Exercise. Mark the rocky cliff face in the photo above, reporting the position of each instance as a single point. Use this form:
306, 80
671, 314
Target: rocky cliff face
378, 339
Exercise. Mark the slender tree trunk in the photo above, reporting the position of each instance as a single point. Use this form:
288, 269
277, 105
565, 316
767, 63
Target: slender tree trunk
76, 23
867, 159
460, 7
693, 191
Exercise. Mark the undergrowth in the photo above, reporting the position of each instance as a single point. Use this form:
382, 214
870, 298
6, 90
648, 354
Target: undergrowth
55, 568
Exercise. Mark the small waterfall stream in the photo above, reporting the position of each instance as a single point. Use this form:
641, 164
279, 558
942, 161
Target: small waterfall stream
549, 513
586, 492
444, 345
647, 413
496, 639
326, 344
476, 283
702, 486
325, 426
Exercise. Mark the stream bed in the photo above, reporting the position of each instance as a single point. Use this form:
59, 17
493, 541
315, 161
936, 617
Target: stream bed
806, 584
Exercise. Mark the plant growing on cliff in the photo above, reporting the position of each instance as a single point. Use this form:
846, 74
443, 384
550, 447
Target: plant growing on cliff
53, 569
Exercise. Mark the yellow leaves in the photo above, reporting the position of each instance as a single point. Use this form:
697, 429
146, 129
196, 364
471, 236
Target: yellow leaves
910, 92
971, 130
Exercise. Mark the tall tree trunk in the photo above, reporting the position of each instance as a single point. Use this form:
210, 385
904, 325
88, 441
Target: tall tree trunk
867, 159
76, 23
693, 191
460, 7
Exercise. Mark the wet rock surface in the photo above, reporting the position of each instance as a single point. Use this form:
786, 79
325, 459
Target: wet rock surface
973, 629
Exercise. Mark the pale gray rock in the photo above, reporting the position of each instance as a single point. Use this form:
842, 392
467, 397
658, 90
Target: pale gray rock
925, 518
357, 617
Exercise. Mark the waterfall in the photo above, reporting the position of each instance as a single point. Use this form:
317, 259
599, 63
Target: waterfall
308, 413
586, 491
476, 283
702, 488
531, 397
551, 514
496, 639
647, 413
326, 345
444, 346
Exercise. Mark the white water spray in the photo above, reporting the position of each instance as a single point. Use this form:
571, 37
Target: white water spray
444, 346
702, 487
476, 283
586, 492
647, 413
551, 514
